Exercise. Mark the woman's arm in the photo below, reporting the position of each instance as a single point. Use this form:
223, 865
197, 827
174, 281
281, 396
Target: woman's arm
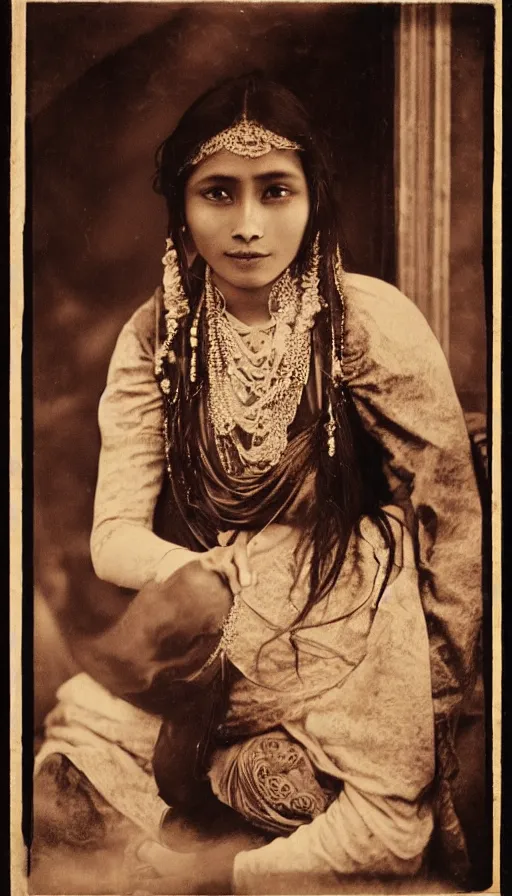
124, 548
132, 465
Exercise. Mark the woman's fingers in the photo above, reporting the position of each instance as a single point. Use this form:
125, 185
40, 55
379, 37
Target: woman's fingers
241, 560
250, 551
212, 559
231, 574
232, 563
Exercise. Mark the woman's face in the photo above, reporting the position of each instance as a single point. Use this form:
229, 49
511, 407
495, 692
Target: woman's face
247, 217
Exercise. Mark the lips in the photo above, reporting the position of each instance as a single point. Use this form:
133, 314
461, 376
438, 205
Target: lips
246, 256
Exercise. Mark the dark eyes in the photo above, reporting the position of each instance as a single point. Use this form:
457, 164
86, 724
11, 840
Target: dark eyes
275, 191
216, 194
221, 194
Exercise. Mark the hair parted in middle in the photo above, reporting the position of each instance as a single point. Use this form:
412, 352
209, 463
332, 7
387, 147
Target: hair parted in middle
350, 483
275, 108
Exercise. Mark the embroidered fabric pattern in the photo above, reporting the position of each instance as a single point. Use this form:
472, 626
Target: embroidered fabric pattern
275, 786
256, 384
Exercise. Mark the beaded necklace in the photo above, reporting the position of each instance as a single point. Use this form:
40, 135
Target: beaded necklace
255, 384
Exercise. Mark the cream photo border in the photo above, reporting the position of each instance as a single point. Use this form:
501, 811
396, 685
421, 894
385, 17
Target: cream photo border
436, 288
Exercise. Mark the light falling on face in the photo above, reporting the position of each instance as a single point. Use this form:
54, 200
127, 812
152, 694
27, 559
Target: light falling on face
247, 217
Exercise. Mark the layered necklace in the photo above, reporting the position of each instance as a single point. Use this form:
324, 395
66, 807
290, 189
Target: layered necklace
257, 374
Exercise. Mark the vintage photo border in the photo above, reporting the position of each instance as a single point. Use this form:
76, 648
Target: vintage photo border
18, 345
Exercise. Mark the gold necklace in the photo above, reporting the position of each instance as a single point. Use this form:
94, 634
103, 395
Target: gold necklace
254, 394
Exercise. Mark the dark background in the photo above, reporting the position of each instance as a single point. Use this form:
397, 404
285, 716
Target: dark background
106, 84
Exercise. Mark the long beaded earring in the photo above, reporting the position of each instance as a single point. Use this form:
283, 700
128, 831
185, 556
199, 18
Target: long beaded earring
176, 306
311, 300
194, 342
338, 351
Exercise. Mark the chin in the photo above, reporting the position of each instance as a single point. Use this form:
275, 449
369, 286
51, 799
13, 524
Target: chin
252, 282
252, 279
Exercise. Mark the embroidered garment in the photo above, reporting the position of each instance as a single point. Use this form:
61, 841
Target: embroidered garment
357, 706
403, 392
271, 781
358, 699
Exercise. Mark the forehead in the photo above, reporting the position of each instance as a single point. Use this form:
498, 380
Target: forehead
227, 164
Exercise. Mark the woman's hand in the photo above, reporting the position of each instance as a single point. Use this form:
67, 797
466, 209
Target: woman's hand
232, 563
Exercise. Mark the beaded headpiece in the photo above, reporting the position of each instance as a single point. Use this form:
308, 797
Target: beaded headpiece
245, 138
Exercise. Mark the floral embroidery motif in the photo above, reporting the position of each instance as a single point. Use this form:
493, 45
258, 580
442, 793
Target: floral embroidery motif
276, 784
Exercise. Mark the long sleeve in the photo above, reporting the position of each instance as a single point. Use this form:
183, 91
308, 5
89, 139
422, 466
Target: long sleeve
124, 549
403, 390
375, 732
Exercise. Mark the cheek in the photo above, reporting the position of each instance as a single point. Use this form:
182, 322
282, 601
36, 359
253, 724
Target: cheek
202, 223
293, 223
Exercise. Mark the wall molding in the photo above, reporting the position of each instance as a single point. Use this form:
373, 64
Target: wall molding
422, 159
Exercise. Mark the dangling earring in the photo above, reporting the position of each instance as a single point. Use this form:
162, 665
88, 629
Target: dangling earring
194, 343
176, 306
330, 429
193, 329
311, 300
337, 354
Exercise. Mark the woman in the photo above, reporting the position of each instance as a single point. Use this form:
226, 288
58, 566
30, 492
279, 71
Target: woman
283, 457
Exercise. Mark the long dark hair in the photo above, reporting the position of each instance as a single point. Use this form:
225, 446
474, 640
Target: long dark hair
351, 483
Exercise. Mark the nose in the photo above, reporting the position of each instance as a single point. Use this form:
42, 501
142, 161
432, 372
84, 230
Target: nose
248, 225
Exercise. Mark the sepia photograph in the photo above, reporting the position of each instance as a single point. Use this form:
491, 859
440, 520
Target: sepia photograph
257, 585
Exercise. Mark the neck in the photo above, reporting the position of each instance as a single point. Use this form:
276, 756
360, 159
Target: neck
250, 306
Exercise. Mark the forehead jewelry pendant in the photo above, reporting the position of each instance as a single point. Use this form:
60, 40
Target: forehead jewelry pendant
245, 138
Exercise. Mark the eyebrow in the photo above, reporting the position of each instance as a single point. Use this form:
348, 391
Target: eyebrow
260, 178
